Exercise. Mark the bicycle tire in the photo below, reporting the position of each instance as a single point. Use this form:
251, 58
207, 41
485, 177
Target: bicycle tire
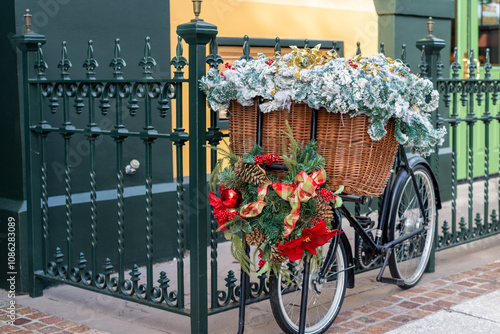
322, 309
409, 259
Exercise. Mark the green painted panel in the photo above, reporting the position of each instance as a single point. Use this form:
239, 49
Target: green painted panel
434, 8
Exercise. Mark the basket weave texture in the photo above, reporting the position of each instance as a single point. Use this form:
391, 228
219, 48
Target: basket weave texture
353, 159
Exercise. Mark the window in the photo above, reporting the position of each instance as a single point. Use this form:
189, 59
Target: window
488, 20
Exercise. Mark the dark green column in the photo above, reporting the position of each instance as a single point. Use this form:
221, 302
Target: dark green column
430, 48
404, 22
198, 34
28, 44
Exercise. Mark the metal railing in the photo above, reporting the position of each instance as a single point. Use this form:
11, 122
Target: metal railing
78, 102
470, 95
75, 100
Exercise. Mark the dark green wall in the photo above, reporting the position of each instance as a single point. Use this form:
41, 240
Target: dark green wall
76, 22
404, 22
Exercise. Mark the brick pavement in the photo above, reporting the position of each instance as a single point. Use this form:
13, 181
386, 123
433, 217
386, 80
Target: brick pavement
387, 314
29, 320
375, 317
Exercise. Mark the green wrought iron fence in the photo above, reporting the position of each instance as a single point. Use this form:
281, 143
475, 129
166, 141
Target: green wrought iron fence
115, 98
468, 97
78, 102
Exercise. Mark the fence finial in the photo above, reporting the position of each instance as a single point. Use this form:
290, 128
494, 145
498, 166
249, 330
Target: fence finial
197, 9
277, 46
430, 27
246, 49
64, 64
455, 66
40, 64
472, 64
179, 61
147, 62
117, 63
27, 22
90, 63
358, 48
382, 49
214, 59
403, 53
487, 65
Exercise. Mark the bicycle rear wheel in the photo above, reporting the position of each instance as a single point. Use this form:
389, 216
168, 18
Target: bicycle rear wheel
324, 298
409, 259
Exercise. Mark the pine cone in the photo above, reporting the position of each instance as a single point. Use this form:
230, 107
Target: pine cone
276, 257
250, 173
256, 237
323, 209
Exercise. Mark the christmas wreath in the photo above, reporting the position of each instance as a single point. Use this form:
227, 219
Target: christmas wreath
281, 218
377, 86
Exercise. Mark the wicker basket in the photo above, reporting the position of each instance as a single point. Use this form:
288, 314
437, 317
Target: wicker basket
353, 159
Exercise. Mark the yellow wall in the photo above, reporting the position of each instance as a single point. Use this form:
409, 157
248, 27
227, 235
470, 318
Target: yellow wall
348, 21
342, 20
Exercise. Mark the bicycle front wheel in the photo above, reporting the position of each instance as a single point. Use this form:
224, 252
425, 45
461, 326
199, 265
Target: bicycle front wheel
324, 300
409, 259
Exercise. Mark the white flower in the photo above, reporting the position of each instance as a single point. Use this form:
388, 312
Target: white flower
377, 88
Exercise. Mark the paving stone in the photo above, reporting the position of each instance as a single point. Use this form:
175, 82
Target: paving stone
421, 300
349, 314
456, 298
66, 324
478, 280
403, 318
37, 315
431, 308
365, 309
389, 324
353, 324
79, 329
34, 325
379, 304
408, 304
478, 290
488, 286
367, 320
394, 310
338, 329
434, 295
469, 294
25, 311
21, 321
419, 313
392, 299
445, 292
418, 290
49, 329
51, 320
466, 283
374, 330
381, 315
7, 328
22, 331
407, 294
444, 303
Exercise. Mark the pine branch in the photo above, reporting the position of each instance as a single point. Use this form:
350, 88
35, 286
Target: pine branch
239, 253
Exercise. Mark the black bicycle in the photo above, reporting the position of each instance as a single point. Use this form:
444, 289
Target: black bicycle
310, 299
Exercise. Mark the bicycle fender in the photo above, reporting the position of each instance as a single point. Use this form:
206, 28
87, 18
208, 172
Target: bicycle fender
418, 160
350, 260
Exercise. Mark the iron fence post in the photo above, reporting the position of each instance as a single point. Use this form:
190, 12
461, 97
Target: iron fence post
28, 44
198, 34
432, 46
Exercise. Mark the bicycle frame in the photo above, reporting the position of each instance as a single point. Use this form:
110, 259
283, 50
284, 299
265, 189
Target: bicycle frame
377, 246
